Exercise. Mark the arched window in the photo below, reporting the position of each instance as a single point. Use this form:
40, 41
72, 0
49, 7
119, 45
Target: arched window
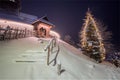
42, 31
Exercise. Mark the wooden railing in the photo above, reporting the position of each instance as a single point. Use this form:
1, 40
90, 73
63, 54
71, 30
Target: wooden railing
49, 48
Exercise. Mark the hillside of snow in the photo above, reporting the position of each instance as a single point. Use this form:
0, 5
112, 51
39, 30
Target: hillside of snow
26, 59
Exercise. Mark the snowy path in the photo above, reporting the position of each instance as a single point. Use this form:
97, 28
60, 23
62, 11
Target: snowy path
25, 59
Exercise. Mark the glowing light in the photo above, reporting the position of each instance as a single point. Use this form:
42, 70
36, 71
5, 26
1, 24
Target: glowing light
55, 34
4, 23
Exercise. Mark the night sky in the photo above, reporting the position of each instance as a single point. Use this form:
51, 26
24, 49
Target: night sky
68, 15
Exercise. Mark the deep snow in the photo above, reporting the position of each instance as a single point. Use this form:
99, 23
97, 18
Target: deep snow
25, 59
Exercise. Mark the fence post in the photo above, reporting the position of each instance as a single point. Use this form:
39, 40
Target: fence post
59, 68
48, 55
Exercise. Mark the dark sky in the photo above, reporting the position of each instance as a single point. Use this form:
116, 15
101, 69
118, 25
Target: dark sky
68, 15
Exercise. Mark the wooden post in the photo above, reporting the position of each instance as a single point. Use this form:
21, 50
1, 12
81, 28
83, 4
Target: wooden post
59, 68
20, 33
25, 32
5, 34
48, 55
16, 33
10, 34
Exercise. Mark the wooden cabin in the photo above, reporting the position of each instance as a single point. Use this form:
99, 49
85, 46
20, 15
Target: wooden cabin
42, 27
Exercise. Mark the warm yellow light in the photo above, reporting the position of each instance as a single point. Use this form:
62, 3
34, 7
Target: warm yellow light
4, 23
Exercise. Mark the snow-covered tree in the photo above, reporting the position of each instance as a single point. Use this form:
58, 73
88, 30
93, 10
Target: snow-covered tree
69, 40
91, 39
106, 36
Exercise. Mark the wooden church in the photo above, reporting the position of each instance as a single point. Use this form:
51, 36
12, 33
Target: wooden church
42, 27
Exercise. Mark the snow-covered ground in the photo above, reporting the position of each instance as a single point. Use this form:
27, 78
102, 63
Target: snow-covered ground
25, 59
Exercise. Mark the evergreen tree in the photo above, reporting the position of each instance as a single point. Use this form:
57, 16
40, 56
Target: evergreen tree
91, 39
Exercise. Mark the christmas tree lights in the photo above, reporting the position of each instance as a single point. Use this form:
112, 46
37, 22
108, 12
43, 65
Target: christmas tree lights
91, 39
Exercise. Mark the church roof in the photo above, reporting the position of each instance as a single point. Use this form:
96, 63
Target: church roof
44, 19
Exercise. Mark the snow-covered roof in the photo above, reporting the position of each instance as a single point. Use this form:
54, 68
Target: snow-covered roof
27, 17
22, 17
10, 17
44, 19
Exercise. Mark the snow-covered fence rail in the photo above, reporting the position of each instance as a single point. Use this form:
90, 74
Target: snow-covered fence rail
49, 47
13, 33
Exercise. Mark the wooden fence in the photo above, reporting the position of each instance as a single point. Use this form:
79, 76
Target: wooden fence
8, 33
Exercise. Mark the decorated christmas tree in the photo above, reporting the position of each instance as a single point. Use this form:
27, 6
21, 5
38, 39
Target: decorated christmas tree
91, 39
